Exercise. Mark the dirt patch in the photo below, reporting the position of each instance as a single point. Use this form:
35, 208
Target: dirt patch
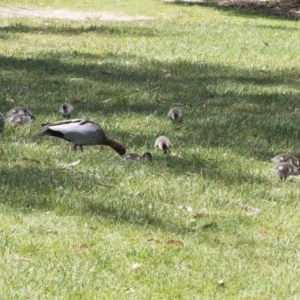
286, 9
280, 8
66, 14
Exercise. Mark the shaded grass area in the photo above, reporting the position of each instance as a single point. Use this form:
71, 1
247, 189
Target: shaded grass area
212, 210
214, 106
284, 9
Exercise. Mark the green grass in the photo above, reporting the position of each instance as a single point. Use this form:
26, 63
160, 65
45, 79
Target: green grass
170, 229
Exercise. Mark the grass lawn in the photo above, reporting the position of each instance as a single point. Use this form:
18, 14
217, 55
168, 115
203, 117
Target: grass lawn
210, 221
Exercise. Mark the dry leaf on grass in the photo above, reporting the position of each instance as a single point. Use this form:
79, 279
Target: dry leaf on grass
154, 240
221, 282
199, 215
188, 209
263, 232
176, 155
26, 259
32, 160
250, 210
81, 246
53, 230
160, 101
68, 166
192, 174
175, 242
108, 186
76, 79
135, 266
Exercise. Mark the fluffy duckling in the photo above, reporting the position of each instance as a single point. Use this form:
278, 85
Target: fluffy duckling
175, 114
66, 109
163, 143
19, 119
286, 157
20, 110
1, 122
147, 156
286, 169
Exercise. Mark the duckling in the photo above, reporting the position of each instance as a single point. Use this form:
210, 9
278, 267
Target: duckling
20, 110
19, 119
163, 143
147, 156
175, 114
286, 157
1, 122
286, 169
66, 109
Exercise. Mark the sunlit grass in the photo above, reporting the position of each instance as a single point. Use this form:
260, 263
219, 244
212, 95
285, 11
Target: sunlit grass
87, 225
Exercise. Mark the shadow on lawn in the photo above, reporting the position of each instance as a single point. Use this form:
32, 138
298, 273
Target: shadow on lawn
249, 9
46, 188
216, 114
103, 29
58, 190
217, 111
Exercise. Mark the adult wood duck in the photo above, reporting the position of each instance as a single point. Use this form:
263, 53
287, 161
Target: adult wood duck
81, 133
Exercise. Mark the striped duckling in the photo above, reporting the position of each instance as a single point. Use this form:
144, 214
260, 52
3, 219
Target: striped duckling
19, 119
286, 169
66, 109
81, 133
19, 115
147, 156
175, 114
286, 157
163, 143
